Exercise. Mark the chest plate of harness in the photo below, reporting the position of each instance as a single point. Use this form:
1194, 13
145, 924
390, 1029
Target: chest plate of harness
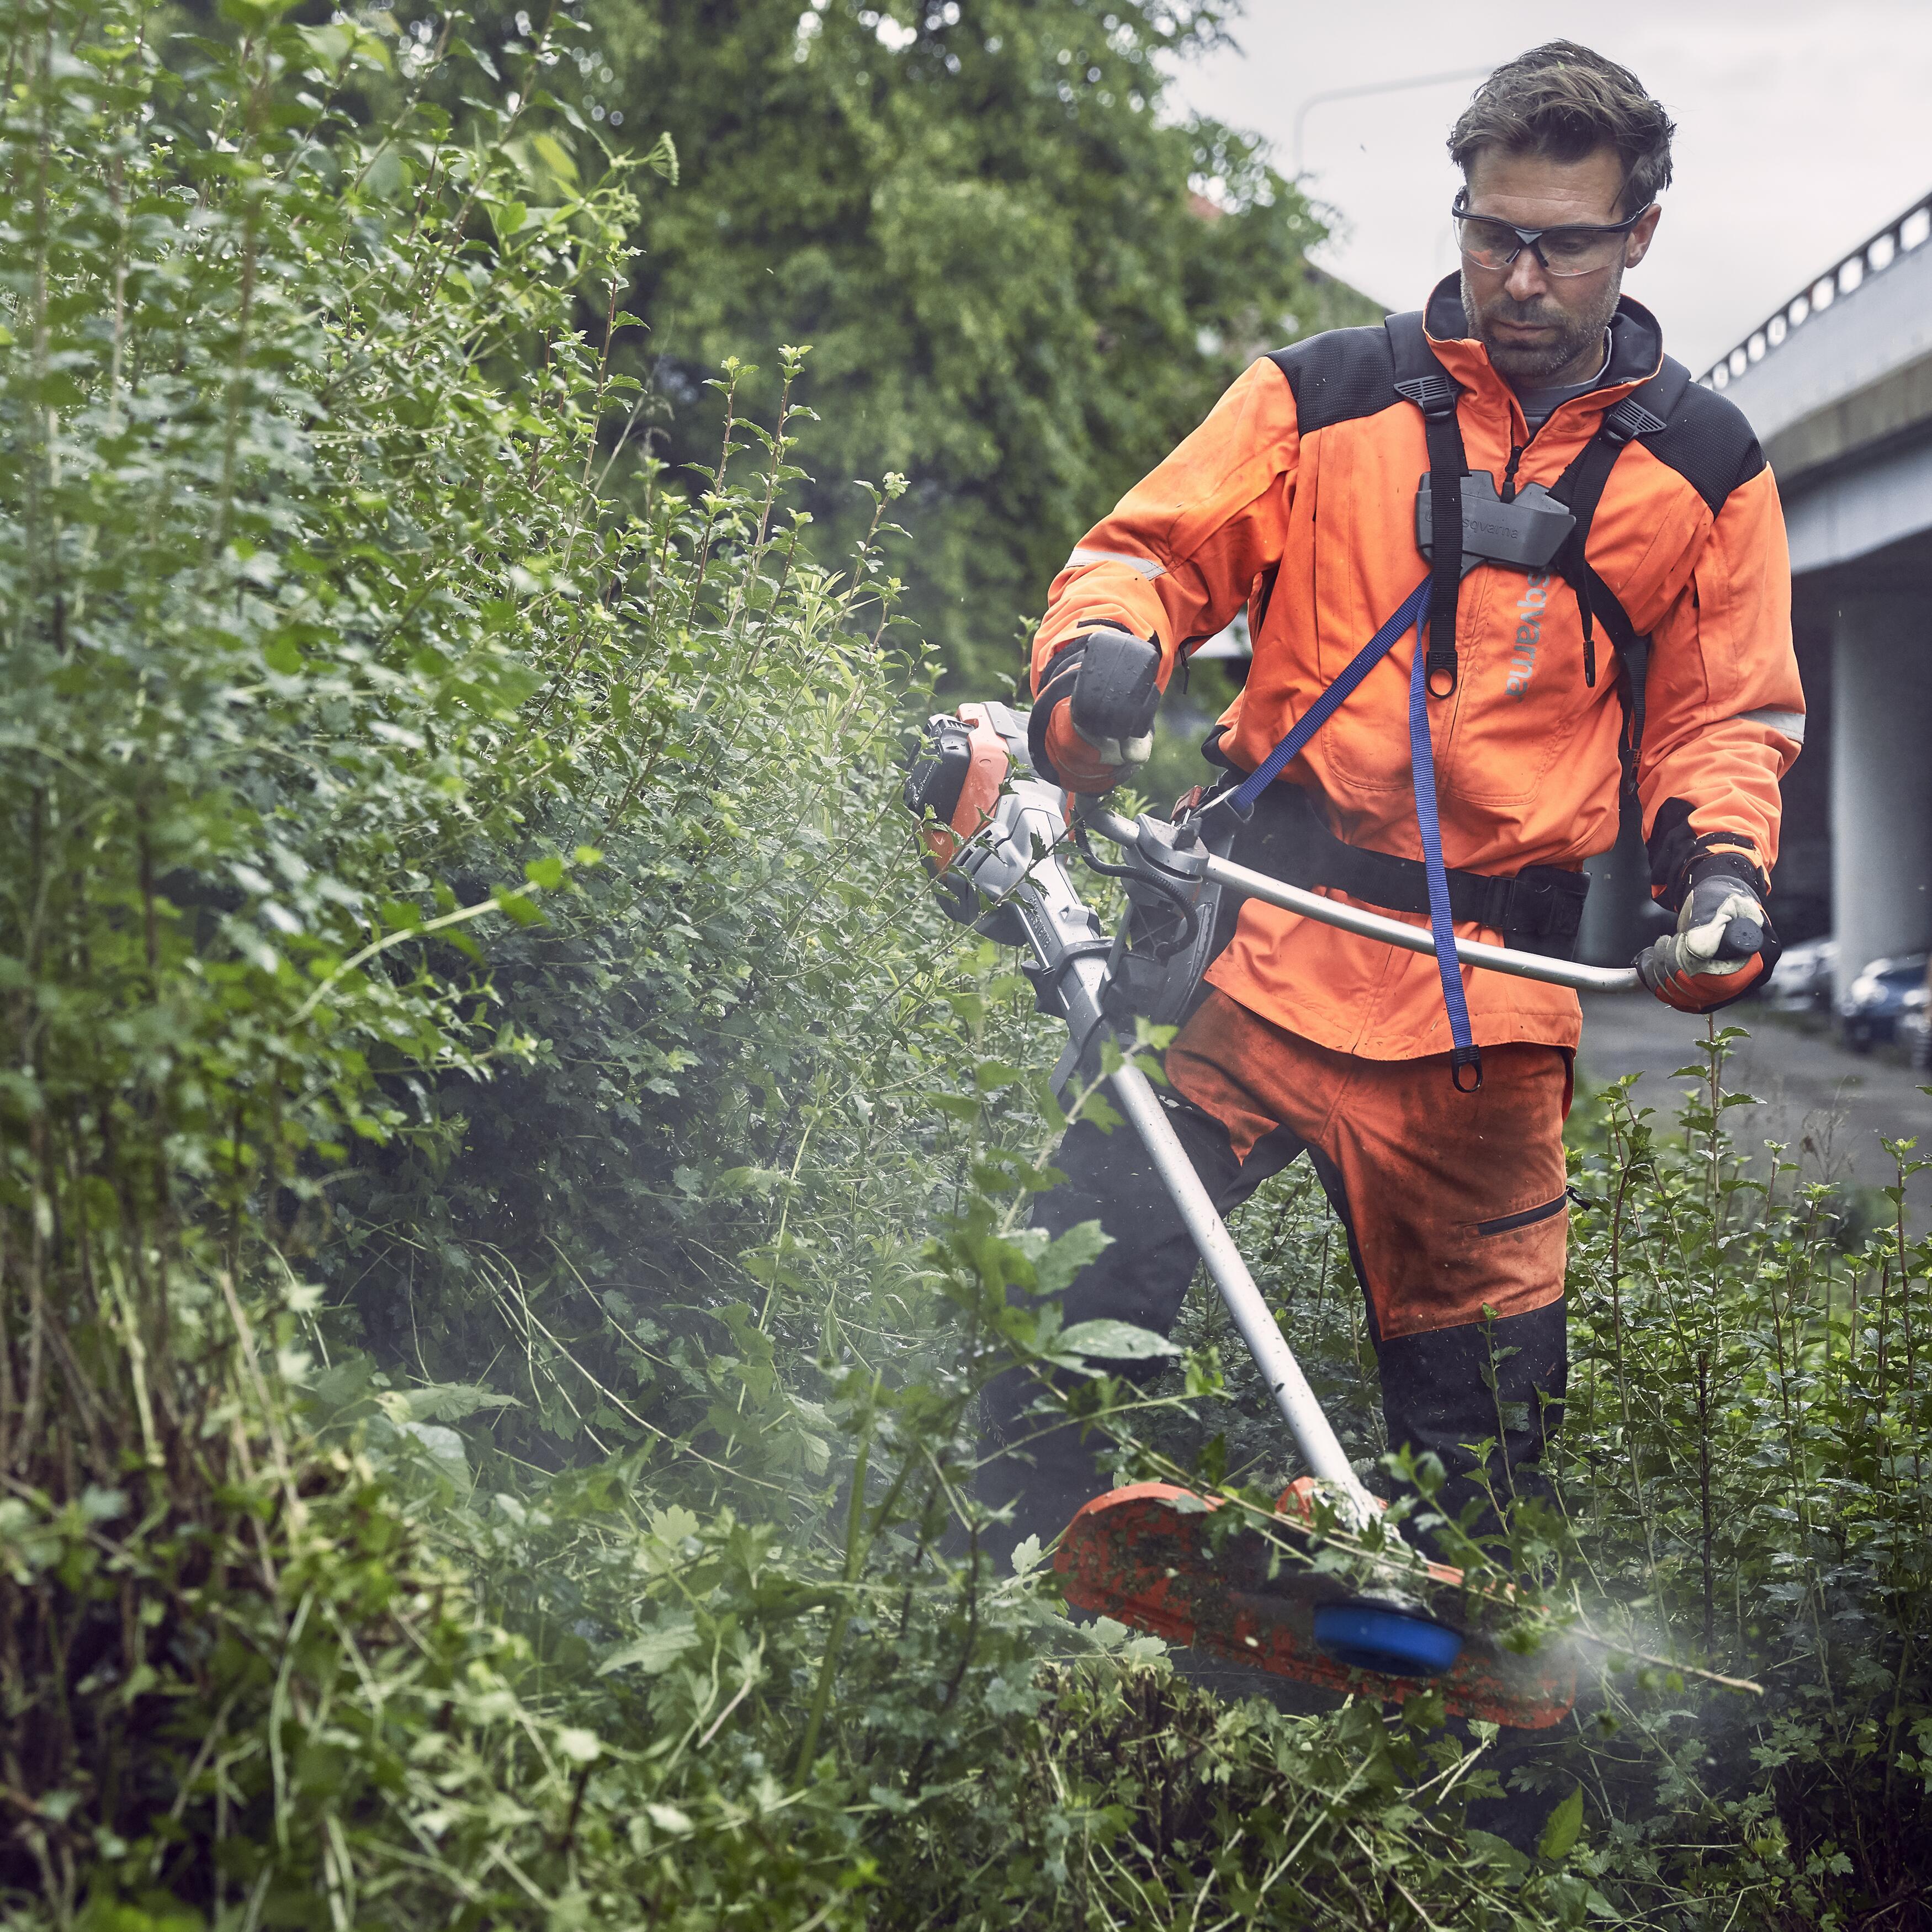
1523, 535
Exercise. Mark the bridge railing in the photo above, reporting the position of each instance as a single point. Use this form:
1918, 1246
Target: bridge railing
1871, 257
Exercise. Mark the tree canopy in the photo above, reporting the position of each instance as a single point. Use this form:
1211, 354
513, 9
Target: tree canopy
1025, 276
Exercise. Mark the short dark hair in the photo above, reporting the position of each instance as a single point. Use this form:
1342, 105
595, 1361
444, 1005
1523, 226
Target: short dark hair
1567, 101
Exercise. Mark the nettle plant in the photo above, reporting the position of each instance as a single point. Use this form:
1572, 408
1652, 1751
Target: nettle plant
332, 654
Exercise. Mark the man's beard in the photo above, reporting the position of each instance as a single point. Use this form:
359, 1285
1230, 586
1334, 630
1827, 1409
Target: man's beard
1576, 336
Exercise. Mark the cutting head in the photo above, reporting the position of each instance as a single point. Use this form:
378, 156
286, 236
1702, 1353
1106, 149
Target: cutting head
1143, 1555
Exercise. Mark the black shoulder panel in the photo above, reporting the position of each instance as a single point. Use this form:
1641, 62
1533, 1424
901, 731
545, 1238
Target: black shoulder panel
1338, 375
1709, 444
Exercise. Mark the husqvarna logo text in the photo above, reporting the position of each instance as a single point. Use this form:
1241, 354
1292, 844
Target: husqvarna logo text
1528, 632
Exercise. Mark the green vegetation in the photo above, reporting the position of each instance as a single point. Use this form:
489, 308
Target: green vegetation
510, 1187
1025, 278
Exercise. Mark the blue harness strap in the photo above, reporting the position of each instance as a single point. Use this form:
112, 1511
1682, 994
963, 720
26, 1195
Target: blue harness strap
1412, 615
1415, 610
1441, 928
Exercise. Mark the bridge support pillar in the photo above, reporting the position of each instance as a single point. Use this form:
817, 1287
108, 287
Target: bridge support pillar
1881, 778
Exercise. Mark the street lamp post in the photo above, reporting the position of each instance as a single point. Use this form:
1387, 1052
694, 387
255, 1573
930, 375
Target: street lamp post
1322, 100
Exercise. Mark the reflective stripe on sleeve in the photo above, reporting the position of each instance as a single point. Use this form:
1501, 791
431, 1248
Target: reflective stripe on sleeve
1791, 723
1145, 565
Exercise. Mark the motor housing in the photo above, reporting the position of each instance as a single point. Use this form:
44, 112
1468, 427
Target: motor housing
956, 772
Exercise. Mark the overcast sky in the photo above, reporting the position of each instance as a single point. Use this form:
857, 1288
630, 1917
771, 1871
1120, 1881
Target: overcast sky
1803, 125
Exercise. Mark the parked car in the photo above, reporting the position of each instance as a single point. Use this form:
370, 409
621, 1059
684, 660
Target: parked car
1915, 1028
1869, 1014
1801, 982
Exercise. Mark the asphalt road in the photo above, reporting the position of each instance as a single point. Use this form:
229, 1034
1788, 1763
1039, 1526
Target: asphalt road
1830, 1107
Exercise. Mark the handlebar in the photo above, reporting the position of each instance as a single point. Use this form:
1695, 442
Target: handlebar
1155, 840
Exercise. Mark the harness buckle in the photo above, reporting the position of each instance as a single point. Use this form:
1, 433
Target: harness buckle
1624, 421
1435, 395
1499, 904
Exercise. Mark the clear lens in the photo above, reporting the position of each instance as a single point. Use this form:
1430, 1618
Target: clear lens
1566, 251
1577, 251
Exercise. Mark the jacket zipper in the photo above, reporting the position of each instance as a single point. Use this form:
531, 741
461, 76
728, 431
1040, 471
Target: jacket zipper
1509, 474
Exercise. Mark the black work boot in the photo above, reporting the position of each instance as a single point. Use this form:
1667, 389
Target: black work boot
1501, 1380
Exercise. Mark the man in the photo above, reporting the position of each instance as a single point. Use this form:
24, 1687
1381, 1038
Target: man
1437, 1132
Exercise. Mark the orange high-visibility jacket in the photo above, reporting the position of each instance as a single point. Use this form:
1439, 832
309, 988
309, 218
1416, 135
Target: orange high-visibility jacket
1297, 498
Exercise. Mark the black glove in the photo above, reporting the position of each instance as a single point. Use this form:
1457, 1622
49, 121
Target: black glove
1723, 945
1092, 720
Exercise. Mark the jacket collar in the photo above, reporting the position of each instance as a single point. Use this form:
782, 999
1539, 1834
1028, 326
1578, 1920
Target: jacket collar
1636, 350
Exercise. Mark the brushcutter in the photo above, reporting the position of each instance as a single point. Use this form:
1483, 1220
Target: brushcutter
1151, 1554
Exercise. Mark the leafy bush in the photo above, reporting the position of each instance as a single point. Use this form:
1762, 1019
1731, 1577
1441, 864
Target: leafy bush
1028, 269
330, 663
511, 1189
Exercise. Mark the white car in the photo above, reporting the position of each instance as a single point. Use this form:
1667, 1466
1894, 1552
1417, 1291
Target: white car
1801, 982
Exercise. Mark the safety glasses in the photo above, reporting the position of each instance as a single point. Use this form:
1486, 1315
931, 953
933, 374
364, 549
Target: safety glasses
1575, 249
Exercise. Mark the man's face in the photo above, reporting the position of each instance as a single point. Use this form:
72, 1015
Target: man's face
1540, 328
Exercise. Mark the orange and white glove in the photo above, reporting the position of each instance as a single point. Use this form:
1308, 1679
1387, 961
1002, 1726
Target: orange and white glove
1093, 716
1723, 945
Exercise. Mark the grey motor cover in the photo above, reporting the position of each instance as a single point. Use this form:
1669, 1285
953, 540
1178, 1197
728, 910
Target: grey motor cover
1523, 535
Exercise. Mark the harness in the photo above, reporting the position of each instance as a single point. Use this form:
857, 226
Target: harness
1461, 521
1449, 494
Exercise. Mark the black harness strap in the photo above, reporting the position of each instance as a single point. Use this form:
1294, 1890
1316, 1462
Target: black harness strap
1420, 378
1580, 488
1645, 411
1637, 667
1538, 910
1447, 465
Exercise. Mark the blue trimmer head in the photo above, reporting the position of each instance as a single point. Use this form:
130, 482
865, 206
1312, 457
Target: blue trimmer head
1366, 1635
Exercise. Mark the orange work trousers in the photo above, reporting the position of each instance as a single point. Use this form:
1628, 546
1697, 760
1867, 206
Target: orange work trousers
1455, 1211
1454, 1202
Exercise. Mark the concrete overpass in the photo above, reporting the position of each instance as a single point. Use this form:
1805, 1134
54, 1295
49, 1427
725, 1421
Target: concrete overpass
1837, 384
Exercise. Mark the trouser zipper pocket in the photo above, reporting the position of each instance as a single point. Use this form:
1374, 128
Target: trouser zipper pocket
1528, 1217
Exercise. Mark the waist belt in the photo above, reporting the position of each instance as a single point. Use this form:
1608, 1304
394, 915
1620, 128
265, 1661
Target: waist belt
1539, 910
